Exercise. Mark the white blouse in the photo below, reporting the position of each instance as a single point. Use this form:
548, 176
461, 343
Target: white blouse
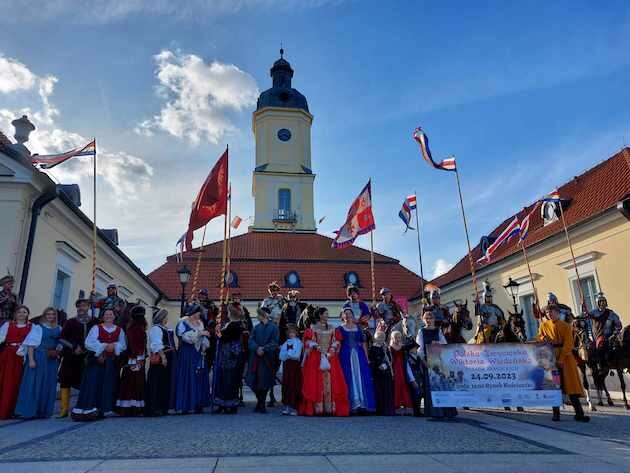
293, 353
20, 351
33, 339
192, 337
420, 342
93, 344
156, 341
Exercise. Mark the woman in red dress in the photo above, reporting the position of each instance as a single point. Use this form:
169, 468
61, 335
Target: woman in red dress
131, 396
402, 397
324, 390
12, 334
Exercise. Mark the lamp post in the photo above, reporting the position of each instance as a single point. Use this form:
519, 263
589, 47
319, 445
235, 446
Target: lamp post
184, 276
511, 289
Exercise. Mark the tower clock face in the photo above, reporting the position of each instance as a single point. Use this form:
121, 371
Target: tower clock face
284, 134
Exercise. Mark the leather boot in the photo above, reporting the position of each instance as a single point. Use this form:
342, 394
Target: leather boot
556, 414
579, 411
65, 402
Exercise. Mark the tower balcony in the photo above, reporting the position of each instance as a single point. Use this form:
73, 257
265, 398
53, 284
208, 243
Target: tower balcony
284, 216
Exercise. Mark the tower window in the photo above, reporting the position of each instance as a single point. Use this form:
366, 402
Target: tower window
284, 200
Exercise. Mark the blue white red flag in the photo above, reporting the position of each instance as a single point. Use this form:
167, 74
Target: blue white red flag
411, 201
179, 248
359, 220
405, 214
512, 229
526, 222
553, 196
422, 139
51, 160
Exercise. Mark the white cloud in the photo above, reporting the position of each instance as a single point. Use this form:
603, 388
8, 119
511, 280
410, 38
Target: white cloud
440, 267
198, 97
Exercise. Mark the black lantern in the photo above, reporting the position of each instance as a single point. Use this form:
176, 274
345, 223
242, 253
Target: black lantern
511, 289
184, 276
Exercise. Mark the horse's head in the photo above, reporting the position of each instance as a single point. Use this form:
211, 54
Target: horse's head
516, 324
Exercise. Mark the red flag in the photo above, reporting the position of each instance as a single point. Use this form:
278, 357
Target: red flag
211, 200
359, 220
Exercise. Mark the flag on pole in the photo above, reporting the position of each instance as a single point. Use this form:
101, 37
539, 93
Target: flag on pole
526, 222
411, 202
405, 214
236, 221
553, 196
319, 222
179, 248
48, 161
422, 139
359, 220
512, 229
211, 201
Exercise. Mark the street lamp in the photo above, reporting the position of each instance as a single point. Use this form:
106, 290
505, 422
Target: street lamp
184, 276
511, 289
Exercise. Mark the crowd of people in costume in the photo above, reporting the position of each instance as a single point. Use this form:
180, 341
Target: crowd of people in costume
373, 362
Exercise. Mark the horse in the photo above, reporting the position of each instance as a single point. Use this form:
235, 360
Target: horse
586, 358
513, 331
459, 320
619, 359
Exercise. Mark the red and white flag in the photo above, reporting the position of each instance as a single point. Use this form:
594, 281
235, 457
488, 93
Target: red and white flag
236, 221
359, 221
48, 161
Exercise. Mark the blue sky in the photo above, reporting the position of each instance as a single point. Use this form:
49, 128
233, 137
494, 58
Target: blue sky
525, 95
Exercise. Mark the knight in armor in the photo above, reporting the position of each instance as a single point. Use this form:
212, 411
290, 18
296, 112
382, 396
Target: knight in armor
115, 303
605, 323
291, 313
8, 300
440, 312
73, 335
566, 314
492, 317
388, 312
274, 302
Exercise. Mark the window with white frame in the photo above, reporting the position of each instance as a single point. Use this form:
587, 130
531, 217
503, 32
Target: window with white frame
526, 302
67, 259
589, 290
61, 291
588, 278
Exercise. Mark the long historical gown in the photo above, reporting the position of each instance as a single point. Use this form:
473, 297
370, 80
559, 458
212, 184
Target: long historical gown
356, 369
99, 386
160, 393
324, 390
132, 390
402, 395
38, 390
193, 380
228, 371
381, 366
11, 364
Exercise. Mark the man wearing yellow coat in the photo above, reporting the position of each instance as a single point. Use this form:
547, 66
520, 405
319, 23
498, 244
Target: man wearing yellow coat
560, 335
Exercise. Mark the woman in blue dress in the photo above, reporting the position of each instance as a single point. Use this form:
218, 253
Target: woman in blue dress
38, 389
193, 382
354, 362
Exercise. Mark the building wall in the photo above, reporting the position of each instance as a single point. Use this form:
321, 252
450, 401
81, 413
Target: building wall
602, 250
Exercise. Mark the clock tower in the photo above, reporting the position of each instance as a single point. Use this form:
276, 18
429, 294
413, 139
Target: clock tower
283, 179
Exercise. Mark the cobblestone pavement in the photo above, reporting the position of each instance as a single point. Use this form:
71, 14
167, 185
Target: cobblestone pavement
480, 441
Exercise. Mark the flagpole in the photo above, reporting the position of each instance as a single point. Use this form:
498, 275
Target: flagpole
372, 266
224, 260
577, 274
94, 225
470, 258
229, 236
193, 291
419, 250
531, 276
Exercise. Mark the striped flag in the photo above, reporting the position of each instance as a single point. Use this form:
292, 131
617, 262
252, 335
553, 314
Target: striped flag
526, 222
405, 214
179, 248
512, 229
49, 161
422, 139
411, 202
359, 220
236, 221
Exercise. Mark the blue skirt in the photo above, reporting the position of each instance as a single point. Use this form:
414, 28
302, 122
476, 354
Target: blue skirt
193, 380
99, 387
358, 375
38, 389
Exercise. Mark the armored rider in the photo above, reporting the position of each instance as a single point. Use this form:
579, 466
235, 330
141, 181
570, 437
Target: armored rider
492, 317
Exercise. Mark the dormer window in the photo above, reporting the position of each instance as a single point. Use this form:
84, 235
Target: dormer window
292, 280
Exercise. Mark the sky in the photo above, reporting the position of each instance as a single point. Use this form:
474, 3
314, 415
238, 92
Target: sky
524, 94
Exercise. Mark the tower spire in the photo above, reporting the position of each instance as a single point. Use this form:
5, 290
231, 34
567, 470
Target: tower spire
281, 51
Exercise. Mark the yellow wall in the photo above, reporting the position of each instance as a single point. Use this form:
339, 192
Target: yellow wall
602, 248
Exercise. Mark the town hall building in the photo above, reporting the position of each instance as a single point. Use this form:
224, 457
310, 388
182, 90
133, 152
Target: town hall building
282, 244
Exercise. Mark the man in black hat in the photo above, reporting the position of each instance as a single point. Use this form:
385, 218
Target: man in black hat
72, 339
8, 300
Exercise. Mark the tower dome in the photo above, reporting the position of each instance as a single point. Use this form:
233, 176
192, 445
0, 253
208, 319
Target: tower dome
281, 94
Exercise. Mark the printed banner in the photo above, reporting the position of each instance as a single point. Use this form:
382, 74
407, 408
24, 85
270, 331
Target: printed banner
494, 375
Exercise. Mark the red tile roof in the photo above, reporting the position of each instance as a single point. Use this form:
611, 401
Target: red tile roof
589, 194
258, 258
4, 141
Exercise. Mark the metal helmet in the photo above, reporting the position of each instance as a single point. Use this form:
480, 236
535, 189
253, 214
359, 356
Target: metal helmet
552, 298
435, 294
384, 291
600, 297
487, 290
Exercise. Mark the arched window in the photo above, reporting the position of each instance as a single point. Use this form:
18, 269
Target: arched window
292, 280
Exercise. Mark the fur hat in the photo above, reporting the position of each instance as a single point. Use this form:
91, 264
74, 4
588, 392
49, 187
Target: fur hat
159, 316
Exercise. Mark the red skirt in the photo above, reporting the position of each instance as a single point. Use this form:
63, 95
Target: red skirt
402, 398
10, 378
291, 383
131, 395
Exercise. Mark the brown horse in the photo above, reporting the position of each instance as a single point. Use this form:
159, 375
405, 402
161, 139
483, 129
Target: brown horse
458, 321
585, 357
513, 331
619, 359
